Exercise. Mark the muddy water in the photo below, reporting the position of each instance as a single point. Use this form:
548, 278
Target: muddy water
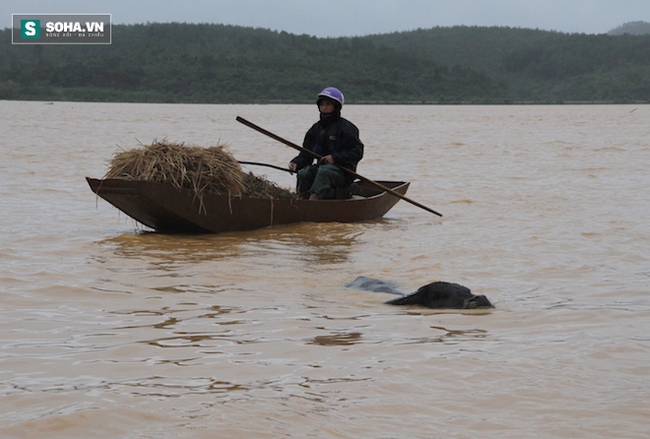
111, 331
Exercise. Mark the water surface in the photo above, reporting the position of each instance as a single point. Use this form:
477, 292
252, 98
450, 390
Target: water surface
109, 330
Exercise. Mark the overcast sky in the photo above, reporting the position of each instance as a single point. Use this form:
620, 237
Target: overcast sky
332, 18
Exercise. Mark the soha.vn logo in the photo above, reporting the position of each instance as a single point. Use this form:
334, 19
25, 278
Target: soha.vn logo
61, 29
30, 29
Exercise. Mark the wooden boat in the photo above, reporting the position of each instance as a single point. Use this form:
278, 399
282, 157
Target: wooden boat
170, 210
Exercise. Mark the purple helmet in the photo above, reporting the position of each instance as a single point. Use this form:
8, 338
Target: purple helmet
333, 94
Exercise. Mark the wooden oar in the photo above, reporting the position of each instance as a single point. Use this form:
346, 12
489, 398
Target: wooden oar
267, 165
349, 171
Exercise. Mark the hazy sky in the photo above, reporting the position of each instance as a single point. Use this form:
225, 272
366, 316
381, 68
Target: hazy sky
330, 18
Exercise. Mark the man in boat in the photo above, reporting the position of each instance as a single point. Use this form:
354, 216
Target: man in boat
336, 140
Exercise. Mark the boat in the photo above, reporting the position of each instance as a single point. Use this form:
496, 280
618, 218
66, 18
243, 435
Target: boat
167, 209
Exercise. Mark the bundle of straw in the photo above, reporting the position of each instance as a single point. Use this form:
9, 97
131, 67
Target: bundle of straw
212, 169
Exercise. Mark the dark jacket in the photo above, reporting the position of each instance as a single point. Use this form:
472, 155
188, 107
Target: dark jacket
336, 136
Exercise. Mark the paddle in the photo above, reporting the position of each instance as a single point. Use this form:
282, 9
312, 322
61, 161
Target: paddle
318, 157
267, 165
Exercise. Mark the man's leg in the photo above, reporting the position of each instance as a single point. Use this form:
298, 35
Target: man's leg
306, 178
327, 177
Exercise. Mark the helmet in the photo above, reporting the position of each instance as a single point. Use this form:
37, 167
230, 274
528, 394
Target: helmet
333, 94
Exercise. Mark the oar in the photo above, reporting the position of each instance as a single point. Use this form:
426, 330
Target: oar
267, 165
349, 171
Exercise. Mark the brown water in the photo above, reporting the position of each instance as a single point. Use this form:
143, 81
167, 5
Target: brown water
111, 331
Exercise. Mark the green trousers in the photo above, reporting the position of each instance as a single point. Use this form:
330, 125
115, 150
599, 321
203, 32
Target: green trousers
319, 179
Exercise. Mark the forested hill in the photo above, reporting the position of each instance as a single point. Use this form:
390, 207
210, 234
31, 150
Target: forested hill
540, 66
228, 64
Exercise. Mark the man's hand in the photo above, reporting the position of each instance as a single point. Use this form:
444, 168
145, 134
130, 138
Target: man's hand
293, 167
328, 159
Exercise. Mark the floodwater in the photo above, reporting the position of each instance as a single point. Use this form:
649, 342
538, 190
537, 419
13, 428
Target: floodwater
109, 330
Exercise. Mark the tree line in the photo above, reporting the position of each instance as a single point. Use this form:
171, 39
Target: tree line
178, 62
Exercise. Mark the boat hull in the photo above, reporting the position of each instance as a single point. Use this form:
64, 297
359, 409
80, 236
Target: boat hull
170, 210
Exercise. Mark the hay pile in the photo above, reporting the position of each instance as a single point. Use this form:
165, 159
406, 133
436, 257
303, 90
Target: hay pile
200, 170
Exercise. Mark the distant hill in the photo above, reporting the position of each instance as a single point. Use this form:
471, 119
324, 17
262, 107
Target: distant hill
540, 66
178, 62
632, 28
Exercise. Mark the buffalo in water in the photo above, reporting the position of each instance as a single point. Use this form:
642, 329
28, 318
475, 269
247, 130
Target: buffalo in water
433, 295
